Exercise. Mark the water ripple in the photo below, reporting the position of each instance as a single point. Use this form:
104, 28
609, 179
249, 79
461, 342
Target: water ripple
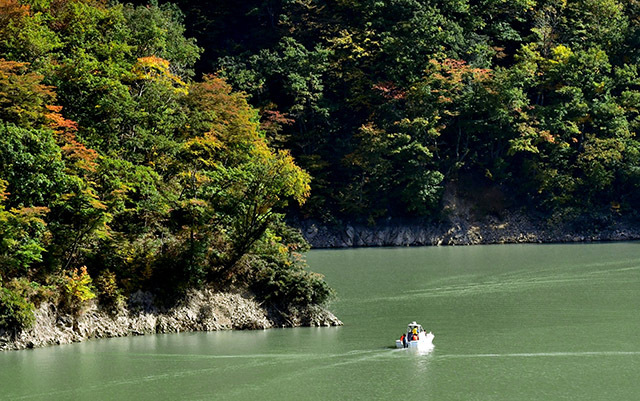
542, 354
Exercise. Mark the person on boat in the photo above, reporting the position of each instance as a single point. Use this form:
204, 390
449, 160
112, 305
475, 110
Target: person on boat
414, 336
403, 338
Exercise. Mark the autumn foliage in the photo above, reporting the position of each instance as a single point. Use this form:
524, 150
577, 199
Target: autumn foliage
115, 164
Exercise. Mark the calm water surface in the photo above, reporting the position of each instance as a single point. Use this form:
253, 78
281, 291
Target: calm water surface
512, 322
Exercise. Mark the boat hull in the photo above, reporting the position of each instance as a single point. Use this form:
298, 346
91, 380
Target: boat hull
425, 341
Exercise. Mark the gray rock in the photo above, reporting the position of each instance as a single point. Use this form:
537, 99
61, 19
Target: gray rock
511, 227
200, 310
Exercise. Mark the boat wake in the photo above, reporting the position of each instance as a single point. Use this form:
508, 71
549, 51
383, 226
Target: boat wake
544, 354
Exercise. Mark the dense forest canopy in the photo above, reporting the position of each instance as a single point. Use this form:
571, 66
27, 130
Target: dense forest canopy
158, 146
385, 103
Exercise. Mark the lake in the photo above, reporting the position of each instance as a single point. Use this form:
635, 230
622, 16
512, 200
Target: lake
512, 322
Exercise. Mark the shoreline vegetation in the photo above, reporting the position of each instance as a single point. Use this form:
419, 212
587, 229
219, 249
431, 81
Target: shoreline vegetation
168, 148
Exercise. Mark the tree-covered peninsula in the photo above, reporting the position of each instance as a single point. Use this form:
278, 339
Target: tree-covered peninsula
120, 171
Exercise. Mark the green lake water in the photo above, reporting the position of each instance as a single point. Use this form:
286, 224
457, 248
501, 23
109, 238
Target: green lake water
512, 322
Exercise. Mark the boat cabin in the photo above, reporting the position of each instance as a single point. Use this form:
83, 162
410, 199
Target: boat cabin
414, 325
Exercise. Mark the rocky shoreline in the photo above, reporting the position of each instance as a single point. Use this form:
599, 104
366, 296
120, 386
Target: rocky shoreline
511, 228
211, 310
200, 310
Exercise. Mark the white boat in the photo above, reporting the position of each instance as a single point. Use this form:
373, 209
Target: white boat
415, 330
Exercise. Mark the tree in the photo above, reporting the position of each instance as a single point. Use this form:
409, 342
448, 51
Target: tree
23, 96
23, 237
232, 182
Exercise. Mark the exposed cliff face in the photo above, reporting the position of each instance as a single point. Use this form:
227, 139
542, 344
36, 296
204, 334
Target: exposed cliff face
202, 310
514, 229
472, 218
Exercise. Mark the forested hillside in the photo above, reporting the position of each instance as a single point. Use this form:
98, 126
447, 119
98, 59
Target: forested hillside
120, 171
158, 146
520, 103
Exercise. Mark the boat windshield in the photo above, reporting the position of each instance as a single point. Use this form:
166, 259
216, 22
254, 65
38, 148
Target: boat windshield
414, 326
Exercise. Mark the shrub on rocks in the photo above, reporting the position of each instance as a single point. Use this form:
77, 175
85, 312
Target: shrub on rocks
283, 284
77, 289
109, 295
16, 313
